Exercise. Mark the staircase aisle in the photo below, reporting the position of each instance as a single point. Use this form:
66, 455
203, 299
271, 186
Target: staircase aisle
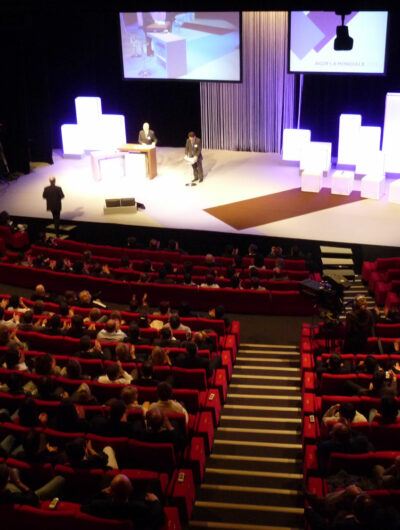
254, 476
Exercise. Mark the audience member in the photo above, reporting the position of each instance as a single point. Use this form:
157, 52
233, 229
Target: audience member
111, 332
115, 374
166, 403
160, 430
146, 376
191, 360
116, 502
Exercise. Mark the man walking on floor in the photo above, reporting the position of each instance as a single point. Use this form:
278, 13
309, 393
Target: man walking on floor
53, 195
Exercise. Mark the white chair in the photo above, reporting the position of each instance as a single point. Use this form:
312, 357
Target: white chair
342, 182
373, 186
394, 192
311, 181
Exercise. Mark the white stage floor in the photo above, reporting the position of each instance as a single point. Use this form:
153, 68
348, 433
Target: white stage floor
230, 176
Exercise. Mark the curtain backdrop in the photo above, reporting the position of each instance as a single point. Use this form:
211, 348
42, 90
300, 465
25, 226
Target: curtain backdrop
250, 116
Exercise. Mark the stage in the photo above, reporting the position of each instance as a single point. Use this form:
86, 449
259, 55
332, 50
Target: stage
260, 193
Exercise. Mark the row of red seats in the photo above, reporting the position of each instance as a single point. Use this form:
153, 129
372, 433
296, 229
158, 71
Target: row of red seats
14, 239
194, 323
295, 266
163, 255
234, 300
68, 515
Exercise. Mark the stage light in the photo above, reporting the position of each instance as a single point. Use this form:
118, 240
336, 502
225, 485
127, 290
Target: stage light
343, 41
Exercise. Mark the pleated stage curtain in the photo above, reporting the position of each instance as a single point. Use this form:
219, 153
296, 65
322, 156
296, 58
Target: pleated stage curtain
250, 116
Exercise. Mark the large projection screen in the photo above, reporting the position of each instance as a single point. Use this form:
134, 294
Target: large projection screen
312, 35
202, 46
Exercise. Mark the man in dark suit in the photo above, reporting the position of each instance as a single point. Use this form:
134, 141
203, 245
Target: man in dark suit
147, 136
190, 360
53, 195
193, 149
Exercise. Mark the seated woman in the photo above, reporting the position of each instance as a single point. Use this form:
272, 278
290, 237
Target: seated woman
159, 357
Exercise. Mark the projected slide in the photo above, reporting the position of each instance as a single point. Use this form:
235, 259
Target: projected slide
312, 35
170, 45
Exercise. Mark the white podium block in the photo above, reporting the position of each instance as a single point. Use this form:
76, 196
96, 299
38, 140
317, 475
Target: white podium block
342, 182
71, 140
394, 192
373, 186
349, 130
311, 181
107, 165
136, 165
368, 148
113, 130
316, 157
391, 133
294, 140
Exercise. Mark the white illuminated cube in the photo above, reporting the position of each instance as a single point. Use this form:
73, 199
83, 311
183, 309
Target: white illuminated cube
88, 117
294, 140
368, 148
373, 186
316, 157
113, 132
391, 133
342, 182
71, 140
349, 130
394, 191
311, 181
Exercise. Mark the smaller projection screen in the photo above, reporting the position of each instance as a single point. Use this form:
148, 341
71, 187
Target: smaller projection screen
312, 35
202, 46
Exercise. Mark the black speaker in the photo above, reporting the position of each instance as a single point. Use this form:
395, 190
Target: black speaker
128, 202
113, 203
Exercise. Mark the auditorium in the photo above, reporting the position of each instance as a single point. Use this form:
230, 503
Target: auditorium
199, 265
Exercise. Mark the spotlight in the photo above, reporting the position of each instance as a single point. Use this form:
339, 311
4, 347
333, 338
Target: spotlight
343, 40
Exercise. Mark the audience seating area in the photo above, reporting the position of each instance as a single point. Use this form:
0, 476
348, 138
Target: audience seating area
159, 465
280, 297
383, 279
320, 392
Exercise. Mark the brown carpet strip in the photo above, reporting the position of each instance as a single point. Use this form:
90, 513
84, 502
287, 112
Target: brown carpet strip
278, 206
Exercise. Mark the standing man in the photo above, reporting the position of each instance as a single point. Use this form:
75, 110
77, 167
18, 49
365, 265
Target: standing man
147, 136
193, 150
53, 195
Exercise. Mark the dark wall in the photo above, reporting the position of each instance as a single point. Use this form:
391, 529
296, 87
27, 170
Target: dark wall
325, 97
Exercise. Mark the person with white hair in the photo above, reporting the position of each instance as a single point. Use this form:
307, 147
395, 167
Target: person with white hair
147, 136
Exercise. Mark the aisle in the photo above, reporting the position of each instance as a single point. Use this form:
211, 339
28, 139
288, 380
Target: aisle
253, 477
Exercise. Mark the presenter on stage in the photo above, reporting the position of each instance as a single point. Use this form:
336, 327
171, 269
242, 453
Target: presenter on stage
193, 151
147, 136
53, 195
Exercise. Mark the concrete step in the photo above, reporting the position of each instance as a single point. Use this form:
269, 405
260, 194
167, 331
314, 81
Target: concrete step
335, 250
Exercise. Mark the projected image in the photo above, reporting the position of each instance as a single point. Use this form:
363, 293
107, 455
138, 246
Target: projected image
312, 37
171, 45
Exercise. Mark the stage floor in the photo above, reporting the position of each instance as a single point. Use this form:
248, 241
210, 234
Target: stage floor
230, 177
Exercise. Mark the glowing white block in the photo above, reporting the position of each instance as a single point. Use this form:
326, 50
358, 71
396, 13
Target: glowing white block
294, 140
88, 116
394, 192
368, 149
349, 130
113, 133
71, 140
391, 133
311, 181
316, 157
342, 182
373, 186
135, 165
